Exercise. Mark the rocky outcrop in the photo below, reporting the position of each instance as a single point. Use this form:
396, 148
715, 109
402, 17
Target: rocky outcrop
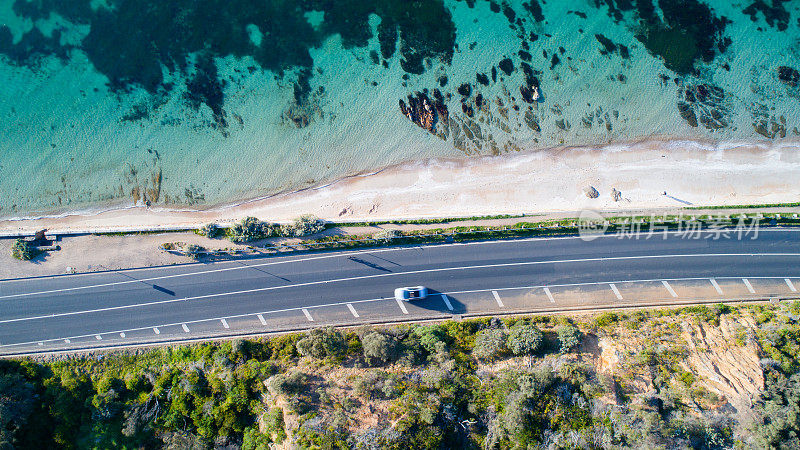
422, 111
789, 76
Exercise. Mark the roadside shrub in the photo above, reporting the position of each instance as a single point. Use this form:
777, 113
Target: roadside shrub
308, 224
386, 235
378, 348
524, 339
489, 344
210, 230
377, 384
606, 319
569, 337
23, 250
322, 342
251, 229
194, 251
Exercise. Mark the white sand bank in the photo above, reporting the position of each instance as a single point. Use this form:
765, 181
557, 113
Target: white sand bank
543, 181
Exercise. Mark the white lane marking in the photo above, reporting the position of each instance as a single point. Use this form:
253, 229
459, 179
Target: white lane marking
497, 298
594, 283
224, 323
610, 258
716, 286
122, 335
791, 286
447, 302
98, 337
616, 291
549, 295
308, 315
669, 288
749, 286
41, 344
402, 306
352, 310
156, 330
185, 328
261, 319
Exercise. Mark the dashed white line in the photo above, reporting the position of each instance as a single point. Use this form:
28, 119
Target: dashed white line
122, 335
156, 330
616, 291
98, 337
261, 319
497, 298
447, 302
549, 295
669, 288
791, 285
749, 286
67, 341
308, 315
224, 323
41, 344
402, 306
352, 310
185, 328
716, 286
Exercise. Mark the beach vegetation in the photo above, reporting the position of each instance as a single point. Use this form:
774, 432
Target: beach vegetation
210, 230
569, 337
194, 251
22, 249
251, 229
303, 226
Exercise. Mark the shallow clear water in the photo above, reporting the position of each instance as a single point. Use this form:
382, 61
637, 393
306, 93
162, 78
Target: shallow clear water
189, 103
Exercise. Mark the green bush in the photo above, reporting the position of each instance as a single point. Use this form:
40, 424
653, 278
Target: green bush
378, 348
524, 339
194, 251
569, 337
23, 250
251, 229
303, 226
490, 344
210, 230
322, 342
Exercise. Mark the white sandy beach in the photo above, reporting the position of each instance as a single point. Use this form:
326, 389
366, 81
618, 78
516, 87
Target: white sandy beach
544, 181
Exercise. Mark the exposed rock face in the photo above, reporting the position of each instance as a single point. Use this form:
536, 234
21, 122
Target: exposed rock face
789, 76
421, 111
704, 104
591, 192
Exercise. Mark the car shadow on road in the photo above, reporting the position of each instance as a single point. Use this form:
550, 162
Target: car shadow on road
442, 303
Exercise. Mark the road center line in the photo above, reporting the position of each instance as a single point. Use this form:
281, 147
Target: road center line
447, 302
749, 286
352, 310
308, 315
402, 306
791, 285
497, 297
669, 288
716, 286
549, 295
616, 291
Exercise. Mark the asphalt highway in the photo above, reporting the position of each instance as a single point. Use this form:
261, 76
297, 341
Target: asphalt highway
139, 305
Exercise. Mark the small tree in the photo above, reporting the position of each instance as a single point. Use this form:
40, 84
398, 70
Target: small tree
210, 230
251, 229
304, 226
23, 250
569, 337
322, 342
378, 348
524, 339
489, 344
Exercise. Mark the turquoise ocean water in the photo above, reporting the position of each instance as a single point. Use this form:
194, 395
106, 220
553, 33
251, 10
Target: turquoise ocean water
191, 103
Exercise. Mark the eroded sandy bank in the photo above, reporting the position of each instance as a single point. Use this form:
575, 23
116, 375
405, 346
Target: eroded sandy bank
549, 180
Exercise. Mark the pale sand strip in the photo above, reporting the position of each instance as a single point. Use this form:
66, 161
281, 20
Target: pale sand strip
543, 181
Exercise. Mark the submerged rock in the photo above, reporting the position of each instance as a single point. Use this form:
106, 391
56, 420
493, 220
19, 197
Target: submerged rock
421, 111
789, 76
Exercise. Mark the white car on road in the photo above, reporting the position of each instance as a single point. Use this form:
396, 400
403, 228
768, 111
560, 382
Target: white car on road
406, 294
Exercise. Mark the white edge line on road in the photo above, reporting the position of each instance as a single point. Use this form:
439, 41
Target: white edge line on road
669, 288
716, 286
790, 284
261, 319
412, 272
402, 306
592, 283
749, 286
309, 258
447, 302
185, 327
497, 299
352, 310
308, 315
616, 291
549, 294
